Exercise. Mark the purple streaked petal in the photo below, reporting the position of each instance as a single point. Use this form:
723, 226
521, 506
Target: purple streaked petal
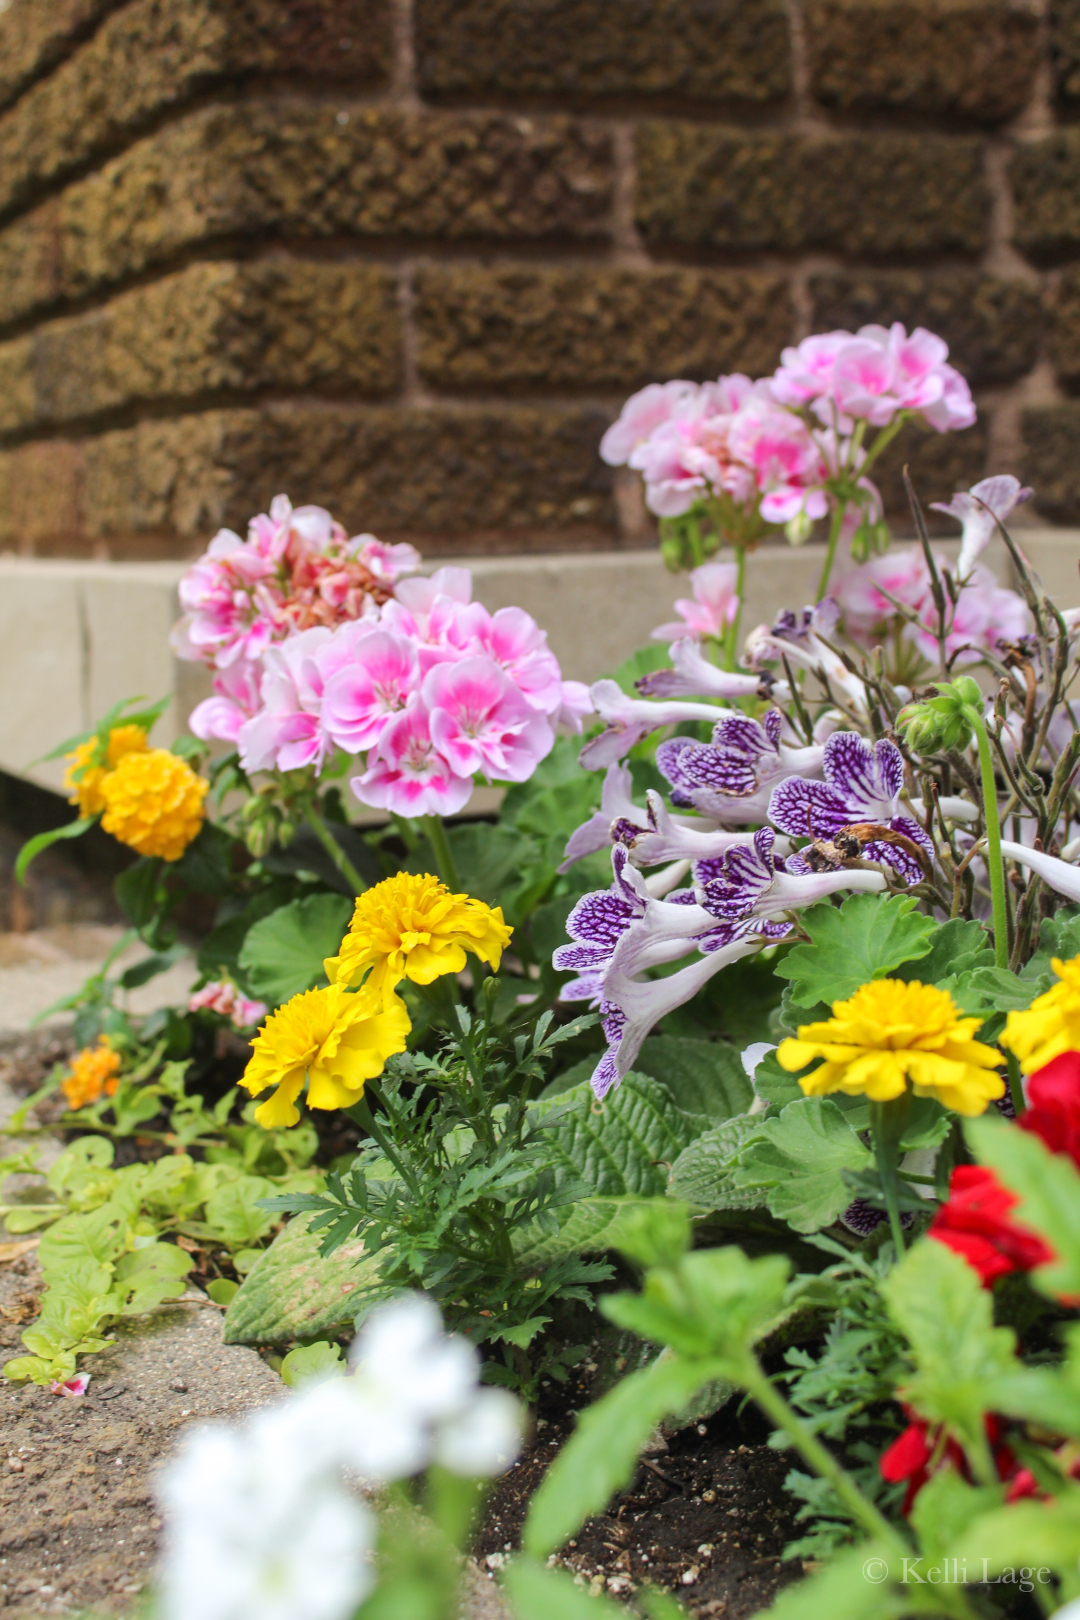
589, 987
605, 1075
912, 830
868, 778
805, 809
903, 864
722, 769
709, 871
599, 919
579, 958
668, 757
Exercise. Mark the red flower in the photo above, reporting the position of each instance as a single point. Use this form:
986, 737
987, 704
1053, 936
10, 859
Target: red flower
1053, 1110
922, 1450
974, 1221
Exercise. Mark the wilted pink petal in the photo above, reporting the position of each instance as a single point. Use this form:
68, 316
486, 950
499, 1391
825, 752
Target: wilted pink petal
74, 1386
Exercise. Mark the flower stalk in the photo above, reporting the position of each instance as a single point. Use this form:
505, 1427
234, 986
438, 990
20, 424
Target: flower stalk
887, 1121
326, 838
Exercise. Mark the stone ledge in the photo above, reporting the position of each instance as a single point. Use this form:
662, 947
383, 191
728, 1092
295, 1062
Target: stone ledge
76, 637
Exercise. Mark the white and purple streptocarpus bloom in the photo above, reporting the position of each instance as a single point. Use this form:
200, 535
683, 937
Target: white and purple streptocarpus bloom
599, 921
616, 805
674, 838
731, 778
861, 790
692, 675
1059, 875
741, 905
629, 719
798, 638
980, 509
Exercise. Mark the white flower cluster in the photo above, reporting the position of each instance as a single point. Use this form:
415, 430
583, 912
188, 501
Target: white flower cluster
262, 1523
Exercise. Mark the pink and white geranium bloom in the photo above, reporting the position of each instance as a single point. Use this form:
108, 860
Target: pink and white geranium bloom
513, 640
980, 510
481, 722
238, 697
362, 697
689, 454
642, 414
871, 375
984, 615
787, 464
712, 607
407, 774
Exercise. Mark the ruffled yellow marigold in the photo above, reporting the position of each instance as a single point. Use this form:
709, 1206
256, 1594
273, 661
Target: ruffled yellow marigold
891, 1034
86, 779
412, 927
337, 1038
94, 1071
1051, 1025
154, 803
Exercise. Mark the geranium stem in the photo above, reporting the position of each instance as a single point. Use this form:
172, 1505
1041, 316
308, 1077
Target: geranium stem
887, 1127
440, 847
993, 839
731, 635
830, 554
334, 850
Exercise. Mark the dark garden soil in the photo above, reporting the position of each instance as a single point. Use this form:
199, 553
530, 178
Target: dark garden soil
708, 1517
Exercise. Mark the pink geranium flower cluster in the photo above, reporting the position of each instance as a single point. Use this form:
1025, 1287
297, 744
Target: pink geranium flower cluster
727, 438
425, 684
871, 375
780, 447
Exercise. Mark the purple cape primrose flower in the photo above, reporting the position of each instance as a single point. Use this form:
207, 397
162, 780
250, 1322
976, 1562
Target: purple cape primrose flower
861, 791
694, 676
731, 778
736, 911
799, 639
675, 838
1061, 876
616, 805
600, 919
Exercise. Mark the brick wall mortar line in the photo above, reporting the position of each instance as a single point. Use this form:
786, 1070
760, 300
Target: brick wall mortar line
629, 249
403, 82
413, 393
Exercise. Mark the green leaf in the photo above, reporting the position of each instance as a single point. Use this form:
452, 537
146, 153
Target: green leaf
137, 890
1049, 1188
657, 1233
703, 1174
232, 1211
587, 1226
1059, 936
775, 1085
1030, 1535
624, 1145
305, 853
98, 1236
799, 1160
714, 1303
944, 1509
294, 1292
222, 1290
148, 1277
539, 1593
601, 1455
983, 991
956, 947
937, 1301
283, 954
849, 1588
142, 972
312, 1362
865, 938
34, 846
703, 1077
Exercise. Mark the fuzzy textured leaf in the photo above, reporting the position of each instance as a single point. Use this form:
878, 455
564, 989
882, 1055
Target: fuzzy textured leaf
703, 1172
293, 1292
703, 1077
865, 938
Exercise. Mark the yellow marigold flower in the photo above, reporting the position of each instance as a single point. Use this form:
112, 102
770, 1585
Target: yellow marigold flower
412, 927
1051, 1025
154, 803
890, 1034
94, 1070
337, 1038
86, 779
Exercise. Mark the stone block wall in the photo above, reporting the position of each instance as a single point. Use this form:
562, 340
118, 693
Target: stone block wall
406, 257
